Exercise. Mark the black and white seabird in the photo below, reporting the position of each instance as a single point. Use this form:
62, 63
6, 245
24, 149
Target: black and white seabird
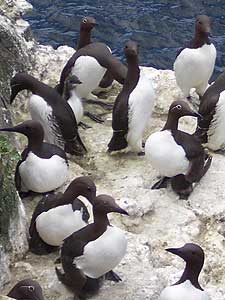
176, 154
26, 289
86, 26
195, 63
93, 251
52, 111
43, 167
89, 64
211, 126
133, 106
57, 216
188, 287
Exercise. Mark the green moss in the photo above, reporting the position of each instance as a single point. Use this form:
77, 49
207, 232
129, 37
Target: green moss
8, 197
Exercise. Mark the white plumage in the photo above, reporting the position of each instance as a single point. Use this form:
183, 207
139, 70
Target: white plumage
43, 175
194, 67
216, 132
165, 155
141, 103
76, 105
58, 223
103, 254
183, 291
42, 112
89, 72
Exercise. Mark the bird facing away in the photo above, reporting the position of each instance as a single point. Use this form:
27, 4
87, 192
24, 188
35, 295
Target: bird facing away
211, 126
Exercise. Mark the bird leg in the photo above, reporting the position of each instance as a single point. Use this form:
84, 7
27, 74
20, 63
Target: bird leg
107, 106
93, 117
112, 276
162, 183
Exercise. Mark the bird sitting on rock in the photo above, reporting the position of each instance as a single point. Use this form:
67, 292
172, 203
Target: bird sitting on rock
56, 216
43, 167
91, 253
176, 154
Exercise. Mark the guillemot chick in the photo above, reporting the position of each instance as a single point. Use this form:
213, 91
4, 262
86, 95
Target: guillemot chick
26, 289
210, 129
177, 154
52, 111
133, 106
43, 167
93, 251
195, 63
57, 216
187, 287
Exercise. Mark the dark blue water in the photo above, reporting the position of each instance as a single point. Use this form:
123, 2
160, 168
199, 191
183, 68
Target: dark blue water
160, 27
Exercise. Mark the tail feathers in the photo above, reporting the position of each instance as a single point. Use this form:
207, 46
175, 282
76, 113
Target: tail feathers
75, 147
118, 142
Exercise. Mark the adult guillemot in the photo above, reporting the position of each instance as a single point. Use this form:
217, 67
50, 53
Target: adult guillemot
133, 106
93, 251
194, 64
52, 111
40, 163
188, 287
26, 289
211, 126
176, 153
57, 216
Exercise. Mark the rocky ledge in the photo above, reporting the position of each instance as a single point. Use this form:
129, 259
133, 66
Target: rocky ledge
158, 219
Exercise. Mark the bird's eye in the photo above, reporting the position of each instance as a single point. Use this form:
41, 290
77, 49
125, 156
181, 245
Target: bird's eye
84, 20
178, 106
31, 288
199, 22
89, 188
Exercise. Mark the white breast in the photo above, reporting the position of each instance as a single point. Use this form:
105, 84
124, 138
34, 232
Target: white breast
43, 175
216, 133
42, 112
141, 103
183, 291
56, 224
104, 254
89, 72
165, 155
194, 67
76, 105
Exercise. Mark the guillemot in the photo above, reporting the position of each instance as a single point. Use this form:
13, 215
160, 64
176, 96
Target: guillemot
86, 26
93, 251
187, 287
210, 129
89, 64
57, 216
177, 154
133, 106
194, 64
40, 163
26, 289
52, 111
